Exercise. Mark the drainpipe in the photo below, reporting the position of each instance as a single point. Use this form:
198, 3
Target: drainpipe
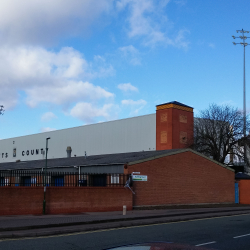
79, 174
79, 168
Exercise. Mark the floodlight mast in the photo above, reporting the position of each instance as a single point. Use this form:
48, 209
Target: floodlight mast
243, 37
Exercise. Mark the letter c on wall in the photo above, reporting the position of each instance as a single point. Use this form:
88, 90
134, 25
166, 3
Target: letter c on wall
22, 153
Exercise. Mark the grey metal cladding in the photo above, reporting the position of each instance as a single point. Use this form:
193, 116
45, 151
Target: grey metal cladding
119, 136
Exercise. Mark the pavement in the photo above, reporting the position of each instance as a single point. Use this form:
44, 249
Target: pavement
23, 226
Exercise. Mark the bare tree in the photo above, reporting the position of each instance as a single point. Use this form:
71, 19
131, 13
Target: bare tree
218, 132
1, 109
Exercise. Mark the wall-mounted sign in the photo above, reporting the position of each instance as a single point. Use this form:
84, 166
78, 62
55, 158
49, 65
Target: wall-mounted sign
140, 177
24, 152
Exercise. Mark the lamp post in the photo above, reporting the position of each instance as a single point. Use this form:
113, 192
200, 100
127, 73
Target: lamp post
244, 44
45, 178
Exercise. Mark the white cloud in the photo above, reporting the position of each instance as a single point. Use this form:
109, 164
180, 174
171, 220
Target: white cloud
181, 2
66, 93
87, 112
227, 102
147, 20
135, 106
133, 103
48, 116
211, 45
131, 54
47, 76
47, 129
126, 87
40, 22
180, 40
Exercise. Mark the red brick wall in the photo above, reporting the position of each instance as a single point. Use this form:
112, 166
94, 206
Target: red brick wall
21, 200
92, 199
168, 121
179, 127
164, 125
29, 200
244, 191
184, 178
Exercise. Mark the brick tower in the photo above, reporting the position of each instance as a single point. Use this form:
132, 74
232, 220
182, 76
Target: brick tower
174, 126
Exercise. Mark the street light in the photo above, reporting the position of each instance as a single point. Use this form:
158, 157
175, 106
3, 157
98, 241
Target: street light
45, 181
244, 44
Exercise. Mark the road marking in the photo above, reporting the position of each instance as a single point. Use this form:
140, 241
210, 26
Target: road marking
241, 236
211, 242
119, 228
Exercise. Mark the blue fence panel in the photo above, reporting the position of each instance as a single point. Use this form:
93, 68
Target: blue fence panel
2, 181
27, 181
59, 181
236, 188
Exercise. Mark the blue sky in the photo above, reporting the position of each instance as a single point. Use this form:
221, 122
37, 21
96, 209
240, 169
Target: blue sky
66, 63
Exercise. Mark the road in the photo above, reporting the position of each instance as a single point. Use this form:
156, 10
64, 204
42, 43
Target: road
225, 233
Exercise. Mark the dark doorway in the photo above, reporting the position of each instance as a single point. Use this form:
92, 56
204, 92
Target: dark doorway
99, 180
26, 181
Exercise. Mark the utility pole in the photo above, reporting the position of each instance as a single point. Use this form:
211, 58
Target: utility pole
45, 179
244, 44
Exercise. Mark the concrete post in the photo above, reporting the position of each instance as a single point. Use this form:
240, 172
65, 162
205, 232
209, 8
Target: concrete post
124, 210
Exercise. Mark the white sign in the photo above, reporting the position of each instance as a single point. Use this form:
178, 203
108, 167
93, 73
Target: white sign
140, 177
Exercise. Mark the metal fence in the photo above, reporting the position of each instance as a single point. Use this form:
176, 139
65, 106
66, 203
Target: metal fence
60, 179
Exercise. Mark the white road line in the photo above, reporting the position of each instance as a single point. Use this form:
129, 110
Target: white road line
241, 236
119, 228
211, 242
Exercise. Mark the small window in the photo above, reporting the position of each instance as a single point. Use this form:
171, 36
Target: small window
183, 118
183, 137
48, 181
14, 152
33, 181
7, 181
164, 117
17, 181
114, 178
83, 180
164, 137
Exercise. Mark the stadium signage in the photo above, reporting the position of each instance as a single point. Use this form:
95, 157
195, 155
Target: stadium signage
25, 152
32, 152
